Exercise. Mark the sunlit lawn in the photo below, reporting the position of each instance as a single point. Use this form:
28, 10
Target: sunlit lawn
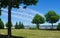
33, 33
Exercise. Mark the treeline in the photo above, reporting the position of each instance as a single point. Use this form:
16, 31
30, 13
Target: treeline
50, 17
19, 26
16, 26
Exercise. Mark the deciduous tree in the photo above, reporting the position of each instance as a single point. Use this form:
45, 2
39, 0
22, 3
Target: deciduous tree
38, 19
52, 17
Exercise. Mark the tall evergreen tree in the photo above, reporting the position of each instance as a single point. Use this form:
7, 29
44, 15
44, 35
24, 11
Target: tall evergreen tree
21, 26
16, 25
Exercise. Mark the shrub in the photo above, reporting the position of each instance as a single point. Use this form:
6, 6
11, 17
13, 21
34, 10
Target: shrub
32, 28
1, 24
58, 27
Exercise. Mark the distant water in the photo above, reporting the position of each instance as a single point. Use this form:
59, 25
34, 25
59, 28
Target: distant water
43, 26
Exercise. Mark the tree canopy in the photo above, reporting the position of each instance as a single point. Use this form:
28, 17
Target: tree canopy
16, 3
52, 17
38, 19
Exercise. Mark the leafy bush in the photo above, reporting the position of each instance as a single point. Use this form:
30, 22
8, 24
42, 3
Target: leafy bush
58, 27
32, 28
1, 24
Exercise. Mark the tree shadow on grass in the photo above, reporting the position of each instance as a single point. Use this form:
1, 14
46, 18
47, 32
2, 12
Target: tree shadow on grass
5, 36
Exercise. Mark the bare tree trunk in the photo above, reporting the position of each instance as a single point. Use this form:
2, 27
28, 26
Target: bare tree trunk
9, 19
9, 22
0, 9
38, 26
52, 26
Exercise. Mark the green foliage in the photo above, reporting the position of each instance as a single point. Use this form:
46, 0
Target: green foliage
38, 20
1, 24
7, 24
3, 3
16, 3
30, 2
19, 26
32, 28
16, 25
58, 27
52, 17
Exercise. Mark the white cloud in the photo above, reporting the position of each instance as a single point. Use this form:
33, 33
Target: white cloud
27, 14
22, 13
17, 17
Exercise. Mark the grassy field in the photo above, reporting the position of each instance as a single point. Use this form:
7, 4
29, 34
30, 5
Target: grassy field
32, 33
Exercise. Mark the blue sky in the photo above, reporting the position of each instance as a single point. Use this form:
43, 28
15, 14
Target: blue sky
26, 15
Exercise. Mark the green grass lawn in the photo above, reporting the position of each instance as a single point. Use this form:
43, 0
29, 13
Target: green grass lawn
32, 33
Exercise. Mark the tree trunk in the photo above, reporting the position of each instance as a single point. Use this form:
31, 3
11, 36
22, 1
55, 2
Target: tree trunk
52, 26
9, 19
38, 26
9, 22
